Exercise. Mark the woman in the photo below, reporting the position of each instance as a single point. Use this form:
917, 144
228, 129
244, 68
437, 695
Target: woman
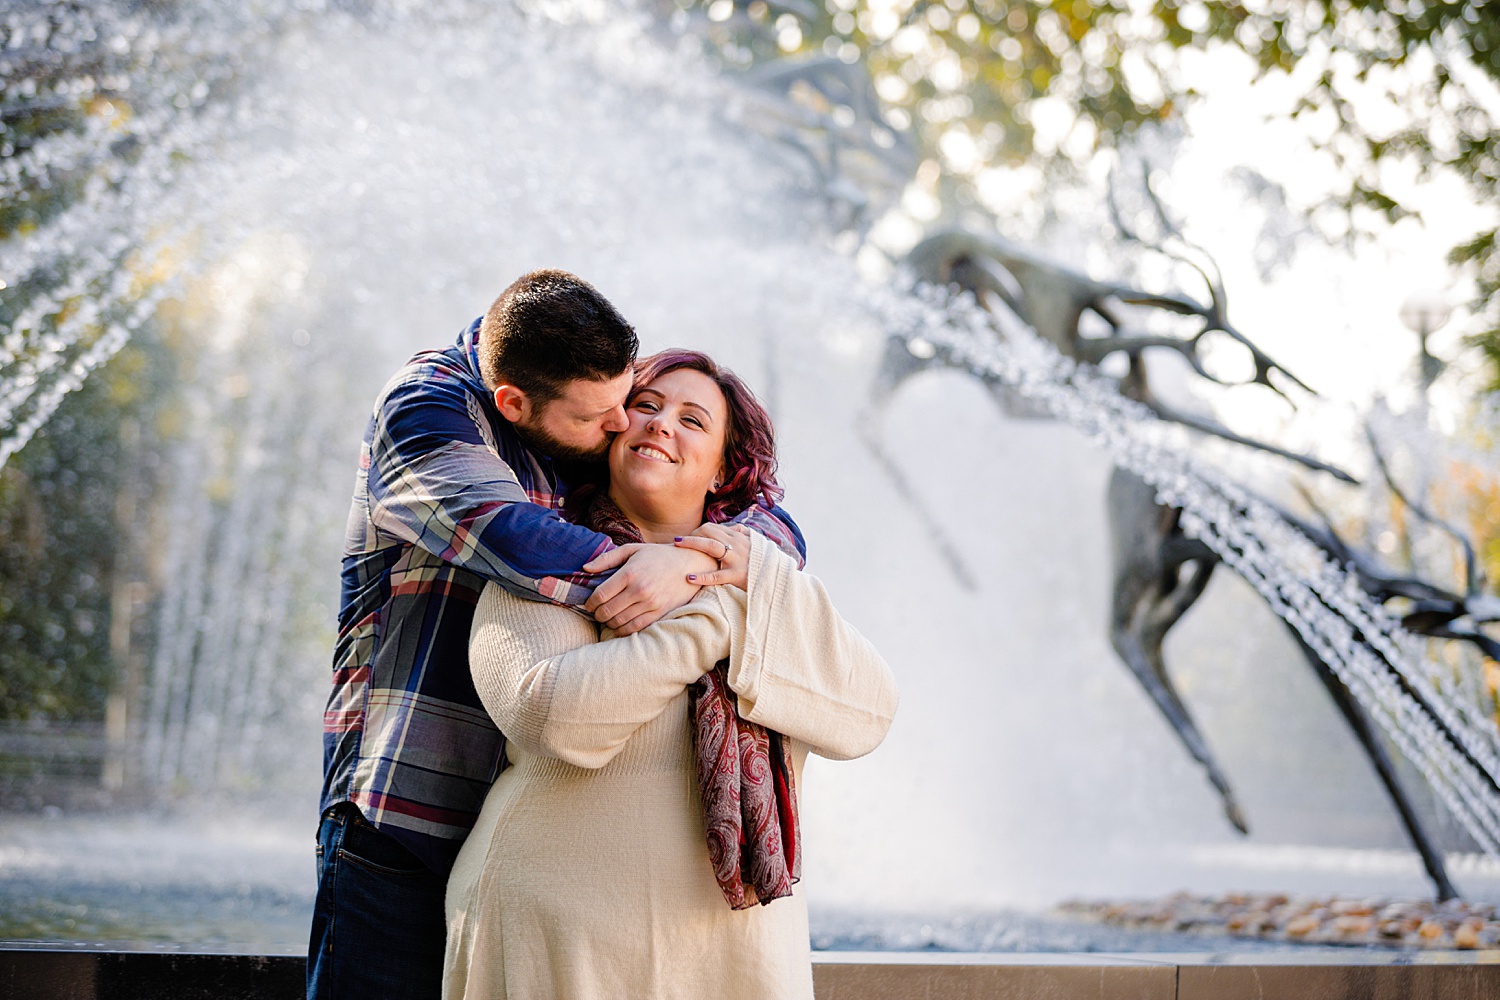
588, 872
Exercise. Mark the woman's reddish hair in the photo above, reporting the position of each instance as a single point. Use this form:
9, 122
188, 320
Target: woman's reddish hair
749, 441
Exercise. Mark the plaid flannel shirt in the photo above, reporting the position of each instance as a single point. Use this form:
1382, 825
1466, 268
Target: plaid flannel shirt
447, 497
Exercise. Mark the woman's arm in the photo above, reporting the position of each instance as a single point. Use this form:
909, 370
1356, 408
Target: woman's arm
797, 667
555, 690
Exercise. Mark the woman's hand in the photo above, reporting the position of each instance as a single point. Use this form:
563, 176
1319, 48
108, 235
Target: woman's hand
730, 545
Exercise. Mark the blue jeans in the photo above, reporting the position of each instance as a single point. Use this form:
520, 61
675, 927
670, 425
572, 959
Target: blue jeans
378, 928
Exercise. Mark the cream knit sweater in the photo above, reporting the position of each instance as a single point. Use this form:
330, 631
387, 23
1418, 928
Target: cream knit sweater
587, 874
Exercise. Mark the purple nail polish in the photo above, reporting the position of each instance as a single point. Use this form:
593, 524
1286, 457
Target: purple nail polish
692, 576
677, 539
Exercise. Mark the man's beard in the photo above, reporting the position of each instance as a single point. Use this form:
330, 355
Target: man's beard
543, 443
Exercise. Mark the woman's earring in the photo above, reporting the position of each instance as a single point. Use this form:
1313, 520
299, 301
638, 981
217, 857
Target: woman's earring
715, 487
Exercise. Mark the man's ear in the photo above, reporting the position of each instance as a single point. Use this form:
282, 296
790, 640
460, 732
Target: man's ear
513, 404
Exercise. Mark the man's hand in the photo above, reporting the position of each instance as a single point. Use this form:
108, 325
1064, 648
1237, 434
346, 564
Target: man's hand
651, 580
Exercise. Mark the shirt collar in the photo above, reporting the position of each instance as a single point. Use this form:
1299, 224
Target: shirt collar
468, 350
468, 342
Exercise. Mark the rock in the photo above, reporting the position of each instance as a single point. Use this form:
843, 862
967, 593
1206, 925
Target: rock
1302, 926
1467, 935
1353, 925
1258, 922
1407, 924
1394, 928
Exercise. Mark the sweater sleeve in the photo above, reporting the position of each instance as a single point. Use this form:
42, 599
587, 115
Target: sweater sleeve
798, 667
555, 690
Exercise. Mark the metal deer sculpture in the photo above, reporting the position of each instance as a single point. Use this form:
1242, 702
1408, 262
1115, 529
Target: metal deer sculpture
826, 113
1158, 572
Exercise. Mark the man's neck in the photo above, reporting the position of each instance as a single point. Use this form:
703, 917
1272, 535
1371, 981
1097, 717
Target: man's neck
659, 525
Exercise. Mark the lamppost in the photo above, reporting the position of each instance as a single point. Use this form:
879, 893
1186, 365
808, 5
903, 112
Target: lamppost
1424, 313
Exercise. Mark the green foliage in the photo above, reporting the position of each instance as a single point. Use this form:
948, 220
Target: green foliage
977, 65
1443, 50
986, 67
64, 533
65, 499
1482, 254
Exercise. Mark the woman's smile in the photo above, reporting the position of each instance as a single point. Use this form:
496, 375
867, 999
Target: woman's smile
652, 453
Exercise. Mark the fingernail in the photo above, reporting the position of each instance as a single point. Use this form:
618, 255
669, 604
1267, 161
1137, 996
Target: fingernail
692, 576
677, 539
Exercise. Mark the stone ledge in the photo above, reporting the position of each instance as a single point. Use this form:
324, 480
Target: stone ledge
43, 971
1323, 974
38, 973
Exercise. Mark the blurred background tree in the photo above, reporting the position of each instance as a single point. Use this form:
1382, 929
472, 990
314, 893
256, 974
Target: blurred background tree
70, 509
1052, 83
71, 502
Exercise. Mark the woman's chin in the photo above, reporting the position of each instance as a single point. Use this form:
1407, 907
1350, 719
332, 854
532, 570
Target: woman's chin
636, 479
658, 497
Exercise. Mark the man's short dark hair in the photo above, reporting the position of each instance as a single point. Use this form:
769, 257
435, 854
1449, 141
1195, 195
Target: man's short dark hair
549, 328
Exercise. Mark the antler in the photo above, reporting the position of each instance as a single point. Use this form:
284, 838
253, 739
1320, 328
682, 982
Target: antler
1373, 578
1215, 315
1436, 611
1215, 281
1473, 574
1055, 296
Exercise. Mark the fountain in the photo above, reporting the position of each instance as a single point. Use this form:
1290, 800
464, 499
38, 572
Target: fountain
294, 199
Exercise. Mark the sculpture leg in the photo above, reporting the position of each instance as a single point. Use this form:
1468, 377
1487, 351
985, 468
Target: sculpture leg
1432, 857
1140, 647
1150, 594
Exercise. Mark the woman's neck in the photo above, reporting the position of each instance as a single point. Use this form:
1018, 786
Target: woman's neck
658, 523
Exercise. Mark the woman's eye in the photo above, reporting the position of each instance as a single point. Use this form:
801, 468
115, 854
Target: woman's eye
692, 422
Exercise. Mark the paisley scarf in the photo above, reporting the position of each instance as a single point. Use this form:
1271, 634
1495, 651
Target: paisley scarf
745, 773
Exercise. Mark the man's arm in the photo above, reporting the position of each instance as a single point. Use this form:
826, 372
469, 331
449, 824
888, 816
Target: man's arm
435, 482
778, 527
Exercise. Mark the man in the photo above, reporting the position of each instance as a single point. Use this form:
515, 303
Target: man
458, 485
